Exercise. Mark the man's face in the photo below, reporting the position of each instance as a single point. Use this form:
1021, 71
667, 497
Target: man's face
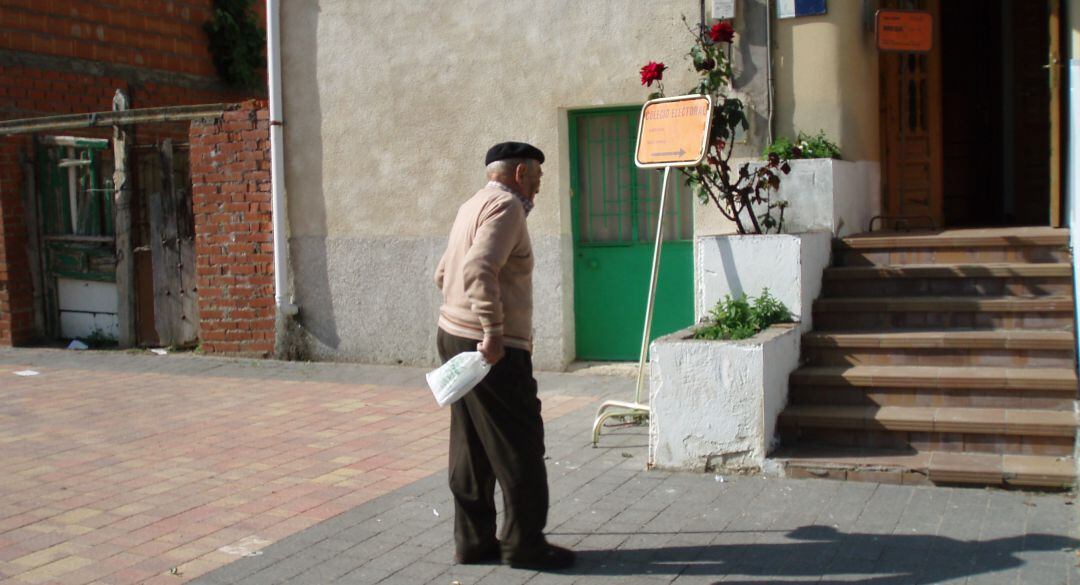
529, 179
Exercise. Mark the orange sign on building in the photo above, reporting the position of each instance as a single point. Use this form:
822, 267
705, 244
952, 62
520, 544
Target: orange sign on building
907, 31
674, 132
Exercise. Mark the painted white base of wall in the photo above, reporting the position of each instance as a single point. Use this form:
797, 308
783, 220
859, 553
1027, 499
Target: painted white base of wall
714, 404
374, 300
87, 308
789, 265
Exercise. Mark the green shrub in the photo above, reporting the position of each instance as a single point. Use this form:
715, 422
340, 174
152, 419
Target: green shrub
237, 43
804, 146
743, 317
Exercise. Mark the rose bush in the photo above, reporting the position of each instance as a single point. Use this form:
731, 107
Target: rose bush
653, 71
744, 194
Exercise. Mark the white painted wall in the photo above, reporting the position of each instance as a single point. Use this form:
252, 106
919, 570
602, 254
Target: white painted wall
716, 402
389, 109
789, 265
87, 308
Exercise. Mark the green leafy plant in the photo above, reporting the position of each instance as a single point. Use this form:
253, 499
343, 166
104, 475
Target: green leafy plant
743, 194
743, 317
236, 43
99, 338
804, 146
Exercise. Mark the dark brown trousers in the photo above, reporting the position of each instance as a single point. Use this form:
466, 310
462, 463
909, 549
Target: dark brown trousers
496, 433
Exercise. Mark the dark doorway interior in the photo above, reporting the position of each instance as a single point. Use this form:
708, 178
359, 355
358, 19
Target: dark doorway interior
996, 112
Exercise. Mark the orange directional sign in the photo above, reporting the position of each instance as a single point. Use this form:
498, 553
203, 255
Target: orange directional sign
907, 31
674, 132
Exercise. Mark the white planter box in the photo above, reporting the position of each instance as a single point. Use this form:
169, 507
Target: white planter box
714, 404
789, 265
836, 196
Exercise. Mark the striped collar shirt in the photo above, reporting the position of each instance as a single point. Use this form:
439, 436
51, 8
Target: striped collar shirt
528, 205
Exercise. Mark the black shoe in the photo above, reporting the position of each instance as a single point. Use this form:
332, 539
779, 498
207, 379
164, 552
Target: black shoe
550, 558
484, 556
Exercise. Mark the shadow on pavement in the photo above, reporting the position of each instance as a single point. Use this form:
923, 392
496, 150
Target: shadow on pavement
824, 553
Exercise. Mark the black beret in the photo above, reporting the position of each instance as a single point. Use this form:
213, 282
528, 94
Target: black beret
505, 150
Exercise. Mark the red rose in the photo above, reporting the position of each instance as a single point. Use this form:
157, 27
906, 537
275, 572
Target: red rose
651, 72
722, 32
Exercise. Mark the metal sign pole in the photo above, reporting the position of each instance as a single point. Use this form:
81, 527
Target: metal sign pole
636, 408
672, 132
652, 289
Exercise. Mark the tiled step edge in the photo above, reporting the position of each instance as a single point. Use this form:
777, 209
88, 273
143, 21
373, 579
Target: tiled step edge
1055, 304
992, 421
989, 270
999, 339
939, 467
946, 240
938, 377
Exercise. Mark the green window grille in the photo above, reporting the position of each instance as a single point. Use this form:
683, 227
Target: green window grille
618, 201
75, 201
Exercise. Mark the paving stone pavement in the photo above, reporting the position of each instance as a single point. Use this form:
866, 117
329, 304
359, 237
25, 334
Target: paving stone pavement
126, 467
114, 419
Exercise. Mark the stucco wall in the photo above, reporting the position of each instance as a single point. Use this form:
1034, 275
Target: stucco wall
826, 77
389, 108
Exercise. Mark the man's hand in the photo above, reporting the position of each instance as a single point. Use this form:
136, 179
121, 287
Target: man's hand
491, 348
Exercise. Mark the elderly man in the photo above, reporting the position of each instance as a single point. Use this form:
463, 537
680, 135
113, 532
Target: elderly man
496, 432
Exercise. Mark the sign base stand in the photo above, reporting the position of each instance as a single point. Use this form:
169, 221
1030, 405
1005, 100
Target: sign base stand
626, 409
636, 408
672, 132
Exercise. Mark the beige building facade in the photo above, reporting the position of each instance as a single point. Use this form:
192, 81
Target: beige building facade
389, 108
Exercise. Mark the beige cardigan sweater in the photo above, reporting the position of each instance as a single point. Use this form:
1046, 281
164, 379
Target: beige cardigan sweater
486, 272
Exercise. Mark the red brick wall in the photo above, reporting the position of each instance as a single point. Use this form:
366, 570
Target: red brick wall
230, 175
164, 36
16, 287
159, 34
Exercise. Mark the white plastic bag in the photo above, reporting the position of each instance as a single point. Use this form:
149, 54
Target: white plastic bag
457, 376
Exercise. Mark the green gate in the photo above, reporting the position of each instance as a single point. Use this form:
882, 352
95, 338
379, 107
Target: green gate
76, 209
615, 207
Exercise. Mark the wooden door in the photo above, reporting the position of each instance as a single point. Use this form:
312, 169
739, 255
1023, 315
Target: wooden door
1054, 68
172, 247
911, 127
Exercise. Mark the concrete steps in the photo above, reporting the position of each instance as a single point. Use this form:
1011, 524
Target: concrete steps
1001, 348
944, 357
995, 279
920, 468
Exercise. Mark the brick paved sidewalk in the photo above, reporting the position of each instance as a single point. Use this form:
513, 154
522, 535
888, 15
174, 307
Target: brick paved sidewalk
117, 467
636, 527
121, 468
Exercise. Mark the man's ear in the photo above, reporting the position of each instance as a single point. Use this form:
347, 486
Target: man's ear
521, 171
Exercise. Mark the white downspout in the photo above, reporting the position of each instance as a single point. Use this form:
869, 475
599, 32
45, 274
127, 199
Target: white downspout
1072, 207
1072, 173
282, 296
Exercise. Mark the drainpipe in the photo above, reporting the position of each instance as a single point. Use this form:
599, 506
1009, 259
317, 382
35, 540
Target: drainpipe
1072, 171
1072, 199
282, 295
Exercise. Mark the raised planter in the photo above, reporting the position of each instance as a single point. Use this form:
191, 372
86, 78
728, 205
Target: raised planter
789, 265
714, 404
836, 196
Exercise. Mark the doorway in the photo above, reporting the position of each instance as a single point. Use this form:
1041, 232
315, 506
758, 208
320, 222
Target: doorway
615, 208
971, 130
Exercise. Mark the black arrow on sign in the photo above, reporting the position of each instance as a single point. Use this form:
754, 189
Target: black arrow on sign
680, 153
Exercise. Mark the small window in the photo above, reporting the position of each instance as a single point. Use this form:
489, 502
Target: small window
618, 202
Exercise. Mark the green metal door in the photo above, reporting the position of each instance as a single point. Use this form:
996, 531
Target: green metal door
75, 205
615, 208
